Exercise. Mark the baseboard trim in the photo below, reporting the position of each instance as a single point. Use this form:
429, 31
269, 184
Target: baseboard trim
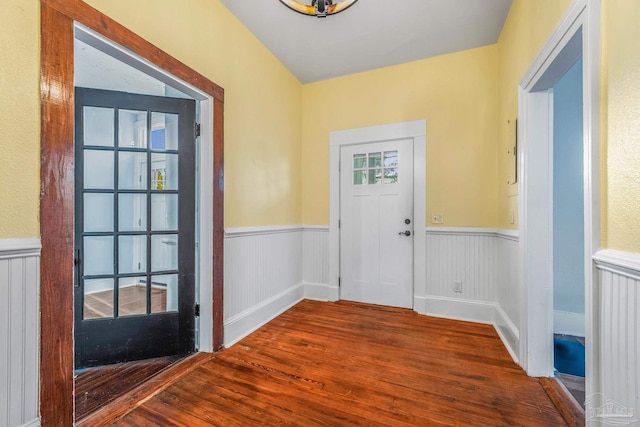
508, 332
243, 324
569, 323
321, 292
33, 423
459, 309
420, 305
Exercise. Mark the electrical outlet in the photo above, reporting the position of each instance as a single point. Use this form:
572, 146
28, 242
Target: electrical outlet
437, 218
457, 286
512, 218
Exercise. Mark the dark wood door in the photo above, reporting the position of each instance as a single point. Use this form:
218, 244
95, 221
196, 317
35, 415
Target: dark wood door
134, 227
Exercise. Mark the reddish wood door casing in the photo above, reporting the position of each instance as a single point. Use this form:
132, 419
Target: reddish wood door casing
56, 189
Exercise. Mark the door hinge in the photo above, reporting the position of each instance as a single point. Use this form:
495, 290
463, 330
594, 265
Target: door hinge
197, 130
339, 280
339, 223
196, 309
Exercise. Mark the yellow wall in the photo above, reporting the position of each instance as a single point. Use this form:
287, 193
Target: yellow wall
262, 101
262, 108
621, 96
277, 149
19, 118
455, 94
528, 26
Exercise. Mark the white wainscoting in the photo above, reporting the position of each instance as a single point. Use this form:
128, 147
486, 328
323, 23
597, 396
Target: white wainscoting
19, 332
262, 277
315, 265
466, 255
619, 334
508, 290
486, 262
268, 270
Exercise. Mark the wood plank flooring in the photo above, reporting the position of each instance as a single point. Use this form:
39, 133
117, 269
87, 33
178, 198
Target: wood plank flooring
334, 364
566, 404
98, 386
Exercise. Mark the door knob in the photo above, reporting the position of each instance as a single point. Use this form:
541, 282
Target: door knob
405, 233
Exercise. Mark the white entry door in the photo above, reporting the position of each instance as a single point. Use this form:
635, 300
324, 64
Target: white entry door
376, 216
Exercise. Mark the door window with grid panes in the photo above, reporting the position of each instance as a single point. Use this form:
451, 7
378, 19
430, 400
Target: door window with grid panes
135, 235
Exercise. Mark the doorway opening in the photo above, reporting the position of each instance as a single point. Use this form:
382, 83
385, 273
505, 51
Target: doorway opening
134, 238
558, 195
568, 232
136, 282
63, 26
134, 227
361, 161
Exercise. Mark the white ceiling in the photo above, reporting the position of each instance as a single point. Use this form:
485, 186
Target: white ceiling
371, 33
96, 69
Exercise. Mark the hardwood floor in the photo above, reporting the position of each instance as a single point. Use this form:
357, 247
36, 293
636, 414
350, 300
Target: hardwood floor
352, 364
570, 410
97, 387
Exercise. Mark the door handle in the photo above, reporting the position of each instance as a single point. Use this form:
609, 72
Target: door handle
76, 266
405, 233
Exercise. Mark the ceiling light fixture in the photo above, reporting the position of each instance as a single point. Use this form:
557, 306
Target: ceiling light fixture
319, 8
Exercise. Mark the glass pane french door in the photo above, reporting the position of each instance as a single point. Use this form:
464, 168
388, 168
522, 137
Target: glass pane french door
134, 227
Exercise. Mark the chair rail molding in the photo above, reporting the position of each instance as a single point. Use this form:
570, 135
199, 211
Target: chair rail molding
18, 248
258, 231
625, 264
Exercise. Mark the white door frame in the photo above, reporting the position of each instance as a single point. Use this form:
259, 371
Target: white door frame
204, 174
417, 131
578, 33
